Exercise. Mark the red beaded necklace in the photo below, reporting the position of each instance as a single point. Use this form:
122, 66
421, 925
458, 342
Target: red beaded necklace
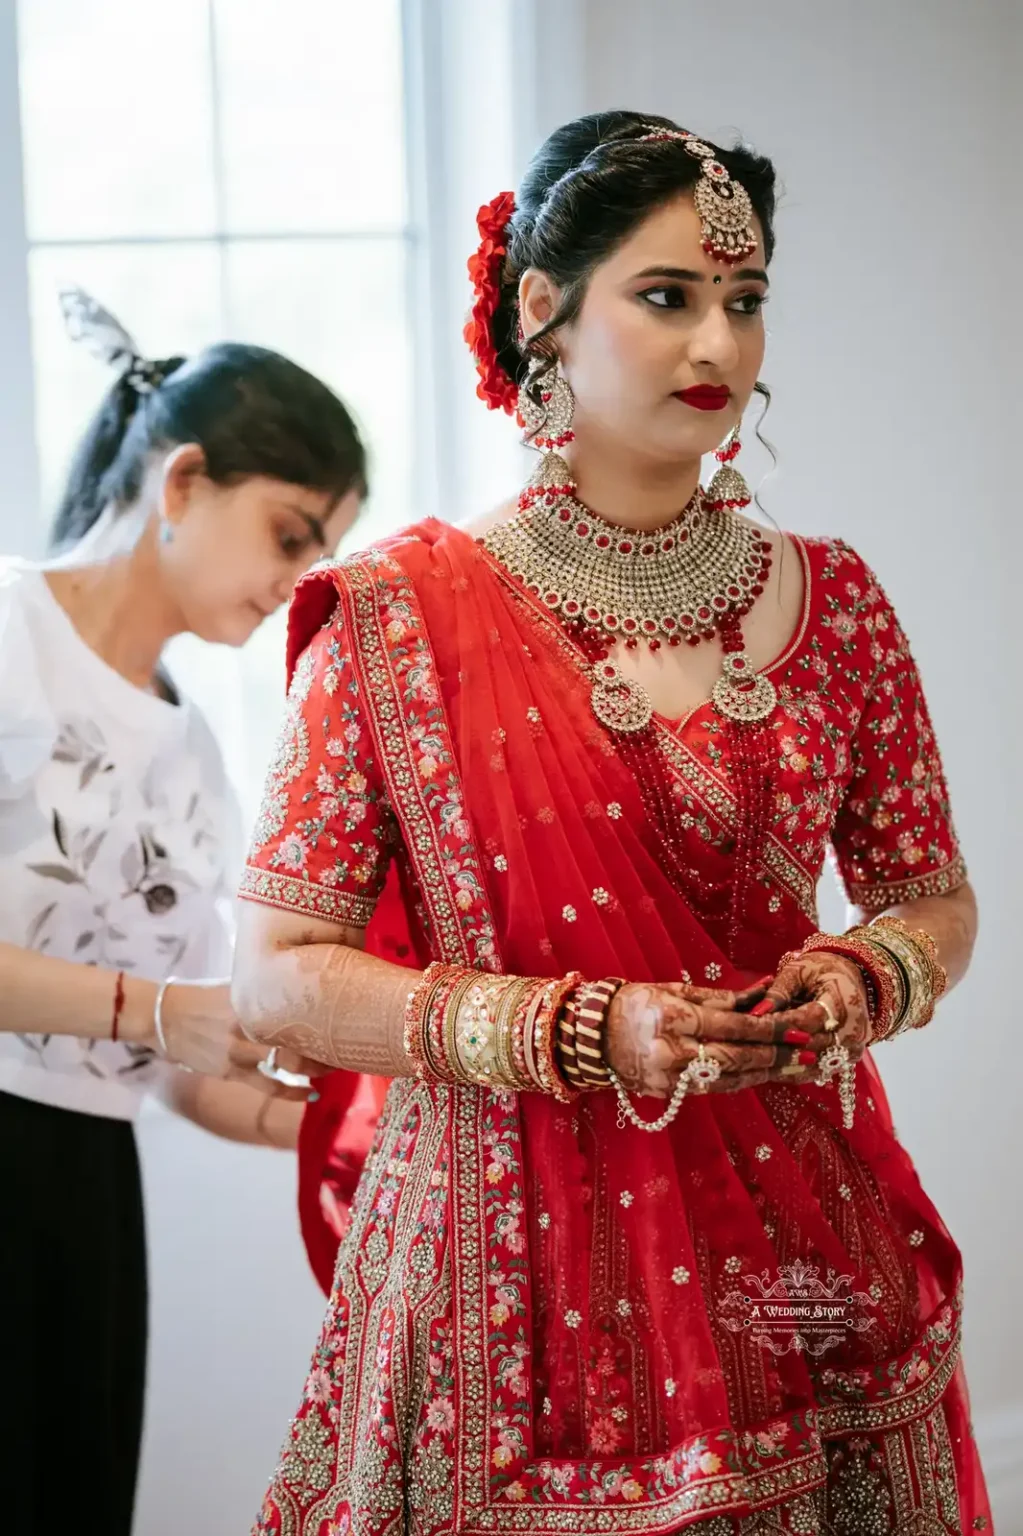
689, 581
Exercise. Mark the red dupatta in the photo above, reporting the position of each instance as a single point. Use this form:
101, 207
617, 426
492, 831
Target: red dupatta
579, 1337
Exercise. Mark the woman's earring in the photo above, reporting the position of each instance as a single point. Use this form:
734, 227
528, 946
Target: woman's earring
166, 530
546, 408
728, 490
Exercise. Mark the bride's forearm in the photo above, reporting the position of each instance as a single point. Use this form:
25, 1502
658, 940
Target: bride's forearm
951, 922
330, 1002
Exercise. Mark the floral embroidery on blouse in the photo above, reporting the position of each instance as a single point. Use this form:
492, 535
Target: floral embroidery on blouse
324, 833
857, 765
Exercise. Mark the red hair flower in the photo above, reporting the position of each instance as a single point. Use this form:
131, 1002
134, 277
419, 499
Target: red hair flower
495, 387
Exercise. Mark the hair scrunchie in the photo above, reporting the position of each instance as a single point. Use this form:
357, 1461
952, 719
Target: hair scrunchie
496, 388
106, 339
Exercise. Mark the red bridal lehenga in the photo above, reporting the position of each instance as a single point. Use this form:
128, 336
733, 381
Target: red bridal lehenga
537, 1319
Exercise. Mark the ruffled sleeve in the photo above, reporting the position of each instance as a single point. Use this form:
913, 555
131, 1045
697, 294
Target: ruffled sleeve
894, 838
325, 832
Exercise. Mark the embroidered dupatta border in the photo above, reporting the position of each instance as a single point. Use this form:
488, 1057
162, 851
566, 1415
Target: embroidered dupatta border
601, 1495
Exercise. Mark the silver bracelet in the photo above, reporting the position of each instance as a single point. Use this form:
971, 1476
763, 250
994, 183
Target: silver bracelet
161, 1038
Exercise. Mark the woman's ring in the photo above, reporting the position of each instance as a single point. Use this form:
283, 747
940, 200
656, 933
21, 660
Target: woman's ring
269, 1068
268, 1065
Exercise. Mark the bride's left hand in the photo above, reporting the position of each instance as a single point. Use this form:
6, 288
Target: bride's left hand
820, 992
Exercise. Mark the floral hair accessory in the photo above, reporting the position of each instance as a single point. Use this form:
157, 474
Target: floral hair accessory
495, 386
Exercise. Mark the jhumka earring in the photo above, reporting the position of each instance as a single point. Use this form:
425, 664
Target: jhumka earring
546, 408
728, 490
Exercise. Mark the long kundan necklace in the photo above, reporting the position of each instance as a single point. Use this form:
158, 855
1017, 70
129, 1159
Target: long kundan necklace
683, 583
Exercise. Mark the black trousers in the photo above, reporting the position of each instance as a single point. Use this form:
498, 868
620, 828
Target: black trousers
73, 1319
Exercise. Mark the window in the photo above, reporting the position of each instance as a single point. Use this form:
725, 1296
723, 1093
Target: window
224, 168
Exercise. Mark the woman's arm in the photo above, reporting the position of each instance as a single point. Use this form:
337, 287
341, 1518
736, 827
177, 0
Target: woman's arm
40, 995
950, 920
235, 1111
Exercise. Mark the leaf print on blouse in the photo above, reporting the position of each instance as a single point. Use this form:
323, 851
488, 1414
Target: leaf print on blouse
148, 873
82, 742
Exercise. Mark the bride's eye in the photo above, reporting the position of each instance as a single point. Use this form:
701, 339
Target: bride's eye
664, 298
748, 303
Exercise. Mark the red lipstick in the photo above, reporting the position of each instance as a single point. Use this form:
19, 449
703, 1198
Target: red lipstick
705, 397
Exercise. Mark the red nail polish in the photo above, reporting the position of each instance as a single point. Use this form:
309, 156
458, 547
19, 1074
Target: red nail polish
796, 1037
759, 1012
806, 1058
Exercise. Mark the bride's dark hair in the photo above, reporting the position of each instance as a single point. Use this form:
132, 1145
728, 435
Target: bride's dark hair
587, 188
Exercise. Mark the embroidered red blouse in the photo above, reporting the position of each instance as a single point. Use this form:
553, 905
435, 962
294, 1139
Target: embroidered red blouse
857, 768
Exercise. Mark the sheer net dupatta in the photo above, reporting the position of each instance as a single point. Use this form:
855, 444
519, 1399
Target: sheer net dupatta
594, 1271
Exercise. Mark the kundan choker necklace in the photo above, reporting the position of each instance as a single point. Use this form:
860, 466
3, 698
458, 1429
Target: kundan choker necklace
687, 581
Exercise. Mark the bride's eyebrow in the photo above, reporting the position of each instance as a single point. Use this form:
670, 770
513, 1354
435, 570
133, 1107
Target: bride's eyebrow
680, 274
690, 275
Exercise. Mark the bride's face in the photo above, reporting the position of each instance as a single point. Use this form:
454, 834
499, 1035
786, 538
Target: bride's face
659, 319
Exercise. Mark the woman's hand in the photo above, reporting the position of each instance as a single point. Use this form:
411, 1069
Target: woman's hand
203, 1033
821, 993
653, 1032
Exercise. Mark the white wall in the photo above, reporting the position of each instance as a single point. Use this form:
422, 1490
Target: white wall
893, 358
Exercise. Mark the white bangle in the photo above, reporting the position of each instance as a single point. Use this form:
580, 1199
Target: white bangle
161, 1038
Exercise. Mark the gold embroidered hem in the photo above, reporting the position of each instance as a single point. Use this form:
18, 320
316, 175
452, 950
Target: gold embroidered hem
293, 895
875, 897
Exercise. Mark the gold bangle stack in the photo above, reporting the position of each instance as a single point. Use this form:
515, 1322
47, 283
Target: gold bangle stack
498, 1032
912, 956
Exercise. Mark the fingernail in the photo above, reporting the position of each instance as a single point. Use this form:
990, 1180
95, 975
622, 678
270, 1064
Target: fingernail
767, 1006
806, 1058
796, 1037
313, 1098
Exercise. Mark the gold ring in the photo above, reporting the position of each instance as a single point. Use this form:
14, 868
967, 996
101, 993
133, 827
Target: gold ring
830, 1022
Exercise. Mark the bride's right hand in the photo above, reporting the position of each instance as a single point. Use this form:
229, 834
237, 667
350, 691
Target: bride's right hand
203, 1033
653, 1032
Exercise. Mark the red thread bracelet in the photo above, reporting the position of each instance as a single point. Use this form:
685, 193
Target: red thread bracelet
118, 1006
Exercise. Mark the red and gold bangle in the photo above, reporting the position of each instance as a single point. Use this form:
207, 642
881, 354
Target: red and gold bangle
568, 1061
418, 1013
545, 1017
592, 1004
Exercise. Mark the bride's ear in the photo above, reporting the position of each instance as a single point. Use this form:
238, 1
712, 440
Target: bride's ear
539, 298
